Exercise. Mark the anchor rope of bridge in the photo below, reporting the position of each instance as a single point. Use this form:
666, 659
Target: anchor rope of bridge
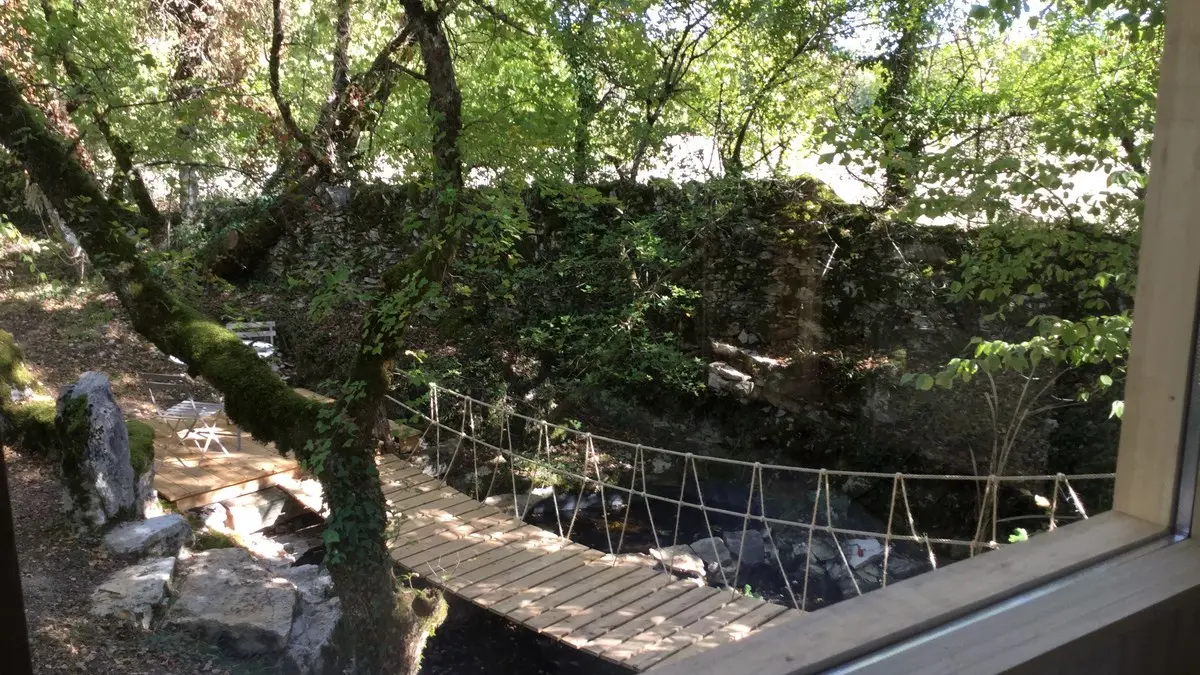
541, 461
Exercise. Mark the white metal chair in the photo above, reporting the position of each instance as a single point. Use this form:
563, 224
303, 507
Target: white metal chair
260, 335
174, 404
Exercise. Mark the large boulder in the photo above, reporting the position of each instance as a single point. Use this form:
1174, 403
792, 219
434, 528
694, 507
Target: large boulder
136, 593
227, 598
100, 486
748, 546
712, 551
161, 536
680, 559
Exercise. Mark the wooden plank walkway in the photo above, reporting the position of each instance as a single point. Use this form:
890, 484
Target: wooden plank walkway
614, 607
188, 478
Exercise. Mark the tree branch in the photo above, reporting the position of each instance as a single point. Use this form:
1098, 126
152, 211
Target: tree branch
285, 109
122, 152
503, 17
255, 398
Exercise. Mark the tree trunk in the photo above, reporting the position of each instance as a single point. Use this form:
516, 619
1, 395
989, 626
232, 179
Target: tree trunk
192, 17
901, 131
382, 632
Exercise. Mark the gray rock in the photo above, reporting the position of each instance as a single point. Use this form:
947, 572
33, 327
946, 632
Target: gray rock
161, 536
227, 598
823, 549
901, 567
314, 624
135, 593
258, 510
681, 559
311, 633
506, 503
99, 485
727, 372
753, 551
712, 550
145, 496
313, 583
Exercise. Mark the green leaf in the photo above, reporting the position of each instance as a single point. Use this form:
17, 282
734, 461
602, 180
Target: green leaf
1118, 410
924, 382
1106, 380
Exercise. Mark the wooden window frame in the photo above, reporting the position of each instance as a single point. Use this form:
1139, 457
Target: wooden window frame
1154, 497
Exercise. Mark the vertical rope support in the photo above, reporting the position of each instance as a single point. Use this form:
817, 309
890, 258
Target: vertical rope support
1054, 501
1075, 499
502, 456
553, 491
762, 506
600, 484
837, 544
650, 513
995, 507
637, 457
707, 524
512, 474
474, 450
687, 459
437, 423
462, 426
912, 524
812, 526
755, 474
587, 446
887, 541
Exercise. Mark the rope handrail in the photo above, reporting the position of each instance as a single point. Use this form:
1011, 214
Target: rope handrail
748, 464
550, 469
678, 502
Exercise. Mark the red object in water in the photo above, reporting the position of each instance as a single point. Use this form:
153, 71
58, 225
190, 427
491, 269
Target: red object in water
860, 552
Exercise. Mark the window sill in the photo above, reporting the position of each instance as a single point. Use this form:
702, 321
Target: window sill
850, 629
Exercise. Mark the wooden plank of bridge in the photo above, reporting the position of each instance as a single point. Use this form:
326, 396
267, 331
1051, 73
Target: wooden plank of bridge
530, 574
764, 617
663, 628
620, 610
595, 621
550, 594
462, 519
522, 547
629, 623
692, 633
437, 546
563, 608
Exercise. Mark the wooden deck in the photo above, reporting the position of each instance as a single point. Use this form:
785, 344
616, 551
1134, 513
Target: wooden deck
616, 608
188, 478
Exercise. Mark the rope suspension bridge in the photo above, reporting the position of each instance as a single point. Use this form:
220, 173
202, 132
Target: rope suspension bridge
480, 474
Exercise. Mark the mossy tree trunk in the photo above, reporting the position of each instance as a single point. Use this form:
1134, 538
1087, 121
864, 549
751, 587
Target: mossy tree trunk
384, 630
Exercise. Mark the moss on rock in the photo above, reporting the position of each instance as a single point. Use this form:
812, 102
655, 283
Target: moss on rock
141, 445
72, 430
28, 424
12, 364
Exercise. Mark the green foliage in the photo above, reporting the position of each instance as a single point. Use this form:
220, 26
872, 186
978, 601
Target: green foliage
1018, 534
141, 445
